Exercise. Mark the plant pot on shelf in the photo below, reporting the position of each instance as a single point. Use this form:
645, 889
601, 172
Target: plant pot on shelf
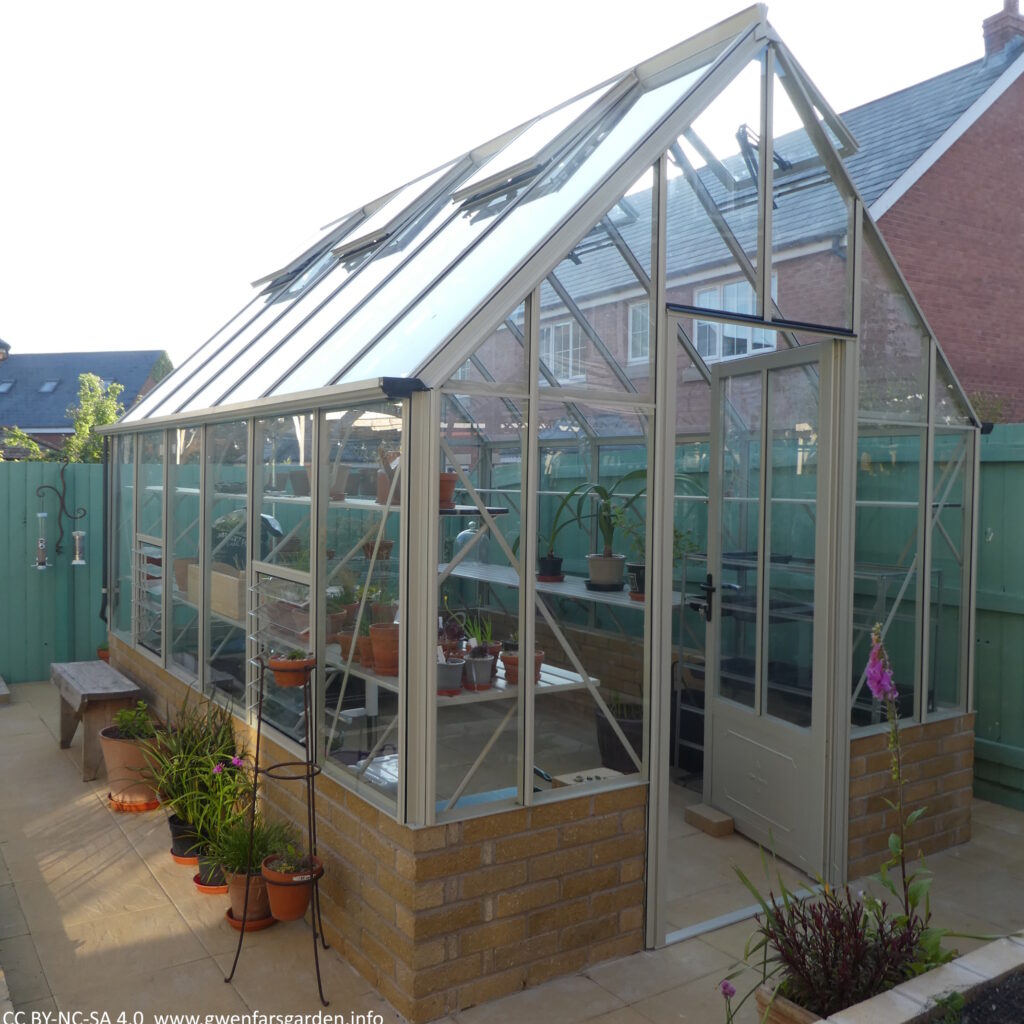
477, 672
549, 569
364, 651
447, 489
259, 904
383, 486
346, 641
289, 891
383, 550
103, 653
338, 478
780, 1010
384, 636
383, 611
291, 672
338, 620
606, 570
449, 677
128, 772
636, 574
510, 659
299, 479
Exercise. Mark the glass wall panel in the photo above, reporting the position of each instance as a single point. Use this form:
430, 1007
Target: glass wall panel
886, 570
122, 536
226, 554
501, 358
185, 471
149, 545
363, 558
712, 216
894, 344
285, 447
741, 512
811, 225
478, 689
689, 569
790, 558
282, 617
950, 408
950, 549
549, 202
595, 305
590, 713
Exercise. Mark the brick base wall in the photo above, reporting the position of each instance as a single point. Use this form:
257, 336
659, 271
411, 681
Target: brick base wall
938, 765
442, 918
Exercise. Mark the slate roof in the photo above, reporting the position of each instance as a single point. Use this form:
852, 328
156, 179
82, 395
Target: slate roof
895, 130
25, 406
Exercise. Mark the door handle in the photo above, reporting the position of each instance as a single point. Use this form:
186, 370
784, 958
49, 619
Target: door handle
708, 587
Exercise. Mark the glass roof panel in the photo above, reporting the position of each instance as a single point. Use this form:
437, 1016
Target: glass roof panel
551, 200
215, 379
388, 301
526, 150
161, 400
384, 219
315, 346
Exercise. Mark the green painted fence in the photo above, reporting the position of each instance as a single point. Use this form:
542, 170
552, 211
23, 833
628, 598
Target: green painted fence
999, 652
49, 615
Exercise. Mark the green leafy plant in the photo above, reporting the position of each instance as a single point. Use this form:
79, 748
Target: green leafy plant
230, 844
605, 501
135, 723
479, 630
199, 768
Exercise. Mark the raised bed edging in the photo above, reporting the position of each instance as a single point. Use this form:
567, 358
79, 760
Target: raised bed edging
914, 1001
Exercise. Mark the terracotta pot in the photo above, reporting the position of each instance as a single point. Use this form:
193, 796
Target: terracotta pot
782, 1011
300, 482
346, 640
337, 621
383, 486
338, 478
289, 891
384, 636
383, 611
259, 904
510, 659
448, 482
383, 550
291, 672
364, 650
103, 653
128, 772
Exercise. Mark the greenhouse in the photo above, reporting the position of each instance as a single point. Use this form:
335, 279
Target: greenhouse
583, 466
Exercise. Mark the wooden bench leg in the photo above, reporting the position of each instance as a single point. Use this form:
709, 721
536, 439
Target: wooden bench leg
68, 723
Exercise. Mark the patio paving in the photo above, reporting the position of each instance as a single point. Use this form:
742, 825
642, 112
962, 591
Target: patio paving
94, 915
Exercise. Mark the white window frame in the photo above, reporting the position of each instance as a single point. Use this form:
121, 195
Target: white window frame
639, 332
711, 338
566, 372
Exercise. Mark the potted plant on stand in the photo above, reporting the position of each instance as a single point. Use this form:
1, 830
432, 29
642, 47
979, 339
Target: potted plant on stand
606, 568
481, 635
125, 755
292, 669
241, 846
289, 877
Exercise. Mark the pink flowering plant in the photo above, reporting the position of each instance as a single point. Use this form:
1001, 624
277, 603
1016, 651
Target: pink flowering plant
832, 950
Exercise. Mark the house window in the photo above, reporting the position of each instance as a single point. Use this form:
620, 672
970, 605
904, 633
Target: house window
716, 341
639, 332
561, 349
462, 373
48, 387
5, 386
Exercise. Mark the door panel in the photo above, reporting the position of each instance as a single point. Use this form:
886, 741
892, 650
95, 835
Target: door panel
766, 729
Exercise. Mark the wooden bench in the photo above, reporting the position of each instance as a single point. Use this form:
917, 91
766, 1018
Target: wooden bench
91, 692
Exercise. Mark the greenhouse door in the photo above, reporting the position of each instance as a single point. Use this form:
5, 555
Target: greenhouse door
768, 594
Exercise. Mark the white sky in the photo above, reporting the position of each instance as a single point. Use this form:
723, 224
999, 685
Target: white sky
158, 157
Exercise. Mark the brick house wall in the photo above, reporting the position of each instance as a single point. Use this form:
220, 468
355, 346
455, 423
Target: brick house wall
958, 236
445, 917
938, 765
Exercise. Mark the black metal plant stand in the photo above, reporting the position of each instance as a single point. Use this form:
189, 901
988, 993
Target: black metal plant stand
289, 771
